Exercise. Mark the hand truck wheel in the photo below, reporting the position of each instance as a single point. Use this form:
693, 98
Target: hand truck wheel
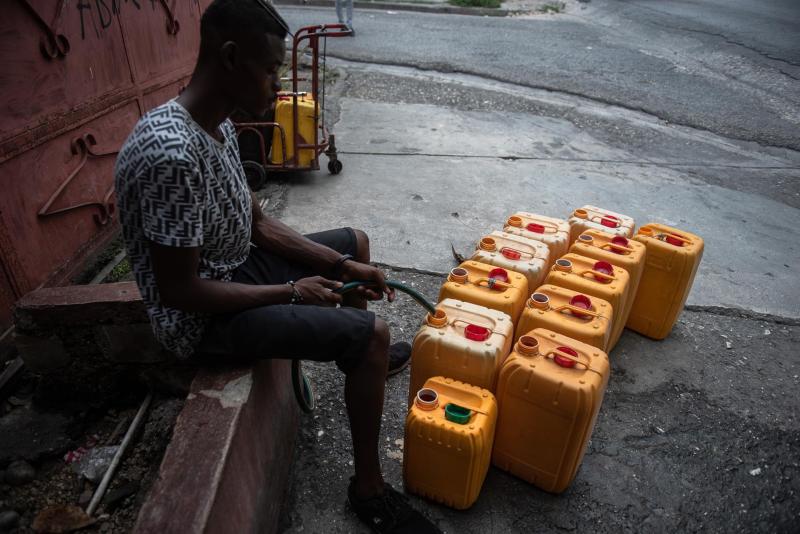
335, 166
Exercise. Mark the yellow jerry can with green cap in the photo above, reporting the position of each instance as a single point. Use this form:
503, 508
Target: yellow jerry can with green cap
528, 257
594, 218
550, 391
552, 232
448, 441
673, 257
465, 341
486, 285
598, 279
582, 317
619, 251
307, 116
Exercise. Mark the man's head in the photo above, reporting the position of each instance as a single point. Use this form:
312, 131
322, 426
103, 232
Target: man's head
242, 42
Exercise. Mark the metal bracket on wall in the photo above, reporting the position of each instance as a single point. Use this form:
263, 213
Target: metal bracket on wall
52, 44
83, 146
173, 27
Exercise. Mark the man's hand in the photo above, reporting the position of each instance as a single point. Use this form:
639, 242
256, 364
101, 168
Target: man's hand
318, 290
353, 270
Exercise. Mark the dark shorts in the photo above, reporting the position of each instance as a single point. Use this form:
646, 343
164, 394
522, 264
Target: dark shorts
290, 331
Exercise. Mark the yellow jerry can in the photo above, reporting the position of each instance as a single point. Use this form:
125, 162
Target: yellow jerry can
307, 115
618, 251
595, 278
448, 441
573, 314
528, 257
549, 392
594, 218
552, 232
486, 285
463, 340
670, 267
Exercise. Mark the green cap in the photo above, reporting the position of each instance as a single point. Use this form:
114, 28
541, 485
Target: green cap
457, 414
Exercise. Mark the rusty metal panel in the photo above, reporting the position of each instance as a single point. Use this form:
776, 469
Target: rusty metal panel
6, 295
57, 55
76, 76
58, 196
163, 37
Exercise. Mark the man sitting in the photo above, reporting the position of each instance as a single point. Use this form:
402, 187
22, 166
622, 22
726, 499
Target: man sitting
220, 277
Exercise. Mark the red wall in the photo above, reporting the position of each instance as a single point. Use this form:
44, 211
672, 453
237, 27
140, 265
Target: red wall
63, 118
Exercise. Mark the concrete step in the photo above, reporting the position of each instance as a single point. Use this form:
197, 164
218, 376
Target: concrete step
227, 466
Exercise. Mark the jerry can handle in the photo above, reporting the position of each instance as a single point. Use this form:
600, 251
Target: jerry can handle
609, 221
493, 283
553, 229
577, 309
552, 354
516, 221
489, 328
614, 246
506, 250
599, 274
667, 236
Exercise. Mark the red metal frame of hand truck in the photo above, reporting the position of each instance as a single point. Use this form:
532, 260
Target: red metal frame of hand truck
320, 145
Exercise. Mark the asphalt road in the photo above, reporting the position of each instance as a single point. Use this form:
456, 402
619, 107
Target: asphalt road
728, 67
679, 112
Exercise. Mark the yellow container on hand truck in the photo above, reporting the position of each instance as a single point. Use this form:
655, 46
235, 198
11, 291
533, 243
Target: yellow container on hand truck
583, 318
549, 392
594, 218
670, 267
448, 441
307, 123
528, 257
618, 251
595, 278
552, 232
486, 285
463, 340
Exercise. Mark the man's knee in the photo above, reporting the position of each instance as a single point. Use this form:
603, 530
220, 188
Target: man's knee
362, 246
378, 349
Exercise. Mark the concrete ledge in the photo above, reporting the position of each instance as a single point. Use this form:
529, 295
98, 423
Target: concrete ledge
227, 466
49, 307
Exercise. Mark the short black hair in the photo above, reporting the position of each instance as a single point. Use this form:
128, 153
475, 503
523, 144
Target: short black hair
233, 20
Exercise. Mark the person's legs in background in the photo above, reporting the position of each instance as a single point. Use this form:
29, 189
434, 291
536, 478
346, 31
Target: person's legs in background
348, 8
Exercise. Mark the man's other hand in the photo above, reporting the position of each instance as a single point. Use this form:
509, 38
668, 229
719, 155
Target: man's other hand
318, 290
353, 270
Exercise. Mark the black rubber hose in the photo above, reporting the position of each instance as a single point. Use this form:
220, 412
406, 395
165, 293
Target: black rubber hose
302, 385
413, 293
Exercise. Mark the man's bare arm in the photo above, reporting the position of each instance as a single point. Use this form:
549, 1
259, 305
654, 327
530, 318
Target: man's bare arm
180, 287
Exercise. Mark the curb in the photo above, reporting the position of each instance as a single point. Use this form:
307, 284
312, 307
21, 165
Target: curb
227, 466
397, 6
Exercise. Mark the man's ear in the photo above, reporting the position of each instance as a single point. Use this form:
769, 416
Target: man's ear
229, 54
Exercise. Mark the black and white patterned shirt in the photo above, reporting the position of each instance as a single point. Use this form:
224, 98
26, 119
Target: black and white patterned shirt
178, 186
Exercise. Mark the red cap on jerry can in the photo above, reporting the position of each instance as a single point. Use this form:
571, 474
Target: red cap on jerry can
605, 268
580, 301
620, 241
674, 240
535, 228
565, 362
476, 333
498, 274
609, 221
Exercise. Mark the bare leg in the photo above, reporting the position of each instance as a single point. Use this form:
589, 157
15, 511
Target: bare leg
363, 394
